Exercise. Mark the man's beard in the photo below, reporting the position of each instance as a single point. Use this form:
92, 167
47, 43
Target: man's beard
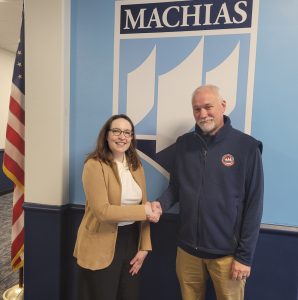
207, 125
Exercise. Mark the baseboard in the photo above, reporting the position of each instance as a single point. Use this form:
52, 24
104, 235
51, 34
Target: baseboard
6, 192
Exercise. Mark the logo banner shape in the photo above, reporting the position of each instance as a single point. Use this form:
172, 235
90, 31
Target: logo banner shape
163, 50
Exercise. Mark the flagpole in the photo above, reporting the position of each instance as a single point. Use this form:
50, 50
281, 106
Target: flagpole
17, 291
14, 293
21, 277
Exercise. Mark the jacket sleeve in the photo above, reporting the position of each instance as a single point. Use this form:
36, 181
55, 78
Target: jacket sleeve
170, 196
253, 208
145, 240
145, 237
97, 197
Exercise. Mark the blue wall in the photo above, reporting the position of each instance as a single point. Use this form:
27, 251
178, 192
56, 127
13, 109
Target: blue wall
6, 185
275, 105
91, 81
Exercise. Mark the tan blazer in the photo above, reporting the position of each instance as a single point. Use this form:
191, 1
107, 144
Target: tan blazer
97, 234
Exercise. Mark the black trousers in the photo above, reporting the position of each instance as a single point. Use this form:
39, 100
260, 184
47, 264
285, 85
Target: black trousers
115, 281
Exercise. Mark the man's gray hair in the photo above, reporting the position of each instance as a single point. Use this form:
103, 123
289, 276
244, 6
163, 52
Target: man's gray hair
211, 87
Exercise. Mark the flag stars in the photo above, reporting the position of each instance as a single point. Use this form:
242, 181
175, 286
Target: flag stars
19, 64
20, 76
19, 52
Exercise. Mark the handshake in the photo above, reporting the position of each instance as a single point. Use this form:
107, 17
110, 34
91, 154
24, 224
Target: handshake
153, 211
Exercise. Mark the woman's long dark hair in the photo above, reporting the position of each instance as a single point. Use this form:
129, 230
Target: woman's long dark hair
102, 151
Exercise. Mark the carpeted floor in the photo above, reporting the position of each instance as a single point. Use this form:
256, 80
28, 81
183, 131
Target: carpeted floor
8, 278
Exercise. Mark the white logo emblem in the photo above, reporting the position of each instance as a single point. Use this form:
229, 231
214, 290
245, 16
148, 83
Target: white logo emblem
228, 160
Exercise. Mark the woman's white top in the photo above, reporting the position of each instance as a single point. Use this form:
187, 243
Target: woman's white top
131, 193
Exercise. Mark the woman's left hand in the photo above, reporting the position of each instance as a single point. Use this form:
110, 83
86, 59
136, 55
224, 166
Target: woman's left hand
137, 262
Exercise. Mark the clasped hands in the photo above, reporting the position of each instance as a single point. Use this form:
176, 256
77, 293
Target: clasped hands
153, 211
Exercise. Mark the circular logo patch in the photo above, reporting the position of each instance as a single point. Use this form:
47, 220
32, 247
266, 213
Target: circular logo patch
228, 160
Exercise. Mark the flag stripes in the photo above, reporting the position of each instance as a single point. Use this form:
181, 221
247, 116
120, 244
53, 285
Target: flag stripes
17, 110
17, 126
14, 154
18, 210
15, 139
13, 171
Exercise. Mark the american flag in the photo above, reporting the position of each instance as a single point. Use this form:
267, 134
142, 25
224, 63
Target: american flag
14, 153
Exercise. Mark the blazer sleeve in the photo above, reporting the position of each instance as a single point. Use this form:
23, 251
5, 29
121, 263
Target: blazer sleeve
97, 197
145, 237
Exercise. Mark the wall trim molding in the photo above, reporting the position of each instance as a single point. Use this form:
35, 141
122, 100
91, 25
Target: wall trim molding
6, 192
167, 216
283, 228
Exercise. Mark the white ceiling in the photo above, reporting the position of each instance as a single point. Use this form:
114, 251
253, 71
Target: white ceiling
10, 22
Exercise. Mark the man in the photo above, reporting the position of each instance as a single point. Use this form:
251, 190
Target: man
217, 178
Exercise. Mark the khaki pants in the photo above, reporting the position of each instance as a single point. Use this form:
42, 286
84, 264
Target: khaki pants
193, 272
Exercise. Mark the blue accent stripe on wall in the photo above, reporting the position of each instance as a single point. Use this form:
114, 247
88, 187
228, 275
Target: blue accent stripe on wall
50, 269
6, 185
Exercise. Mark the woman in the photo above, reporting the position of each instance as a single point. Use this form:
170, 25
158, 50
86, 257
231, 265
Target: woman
113, 239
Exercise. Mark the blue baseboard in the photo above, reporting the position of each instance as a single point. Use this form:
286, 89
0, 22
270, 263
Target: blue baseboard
50, 269
4, 192
6, 185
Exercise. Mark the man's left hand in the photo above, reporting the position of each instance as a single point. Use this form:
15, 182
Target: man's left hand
239, 271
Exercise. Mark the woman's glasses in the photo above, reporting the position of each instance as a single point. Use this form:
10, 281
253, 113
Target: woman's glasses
117, 132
